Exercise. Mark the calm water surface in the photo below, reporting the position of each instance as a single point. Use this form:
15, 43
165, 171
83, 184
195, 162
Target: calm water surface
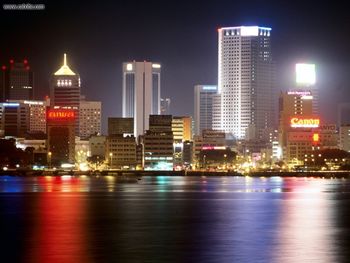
174, 219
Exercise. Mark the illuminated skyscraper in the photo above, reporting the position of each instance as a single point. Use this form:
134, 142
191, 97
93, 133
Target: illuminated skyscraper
203, 107
141, 93
65, 91
245, 80
306, 80
16, 82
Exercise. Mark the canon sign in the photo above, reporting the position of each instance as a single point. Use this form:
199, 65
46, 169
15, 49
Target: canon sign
297, 122
60, 114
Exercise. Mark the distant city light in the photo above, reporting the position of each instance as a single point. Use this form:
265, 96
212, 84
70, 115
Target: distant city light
305, 74
209, 88
155, 65
129, 67
213, 148
299, 92
307, 97
33, 102
10, 104
249, 31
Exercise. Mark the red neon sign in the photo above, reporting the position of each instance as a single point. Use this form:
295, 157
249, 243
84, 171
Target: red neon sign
60, 114
297, 122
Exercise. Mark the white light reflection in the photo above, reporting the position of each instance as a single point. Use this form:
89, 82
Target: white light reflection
306, 223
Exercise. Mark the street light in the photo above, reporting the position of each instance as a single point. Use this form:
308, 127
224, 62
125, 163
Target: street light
49, 154
111, 156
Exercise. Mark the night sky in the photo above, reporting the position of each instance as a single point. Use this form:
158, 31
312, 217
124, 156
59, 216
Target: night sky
182, 36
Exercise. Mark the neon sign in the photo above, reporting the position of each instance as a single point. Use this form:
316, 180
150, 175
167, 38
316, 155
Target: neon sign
60, 114
213, 148
315, 137
304, 122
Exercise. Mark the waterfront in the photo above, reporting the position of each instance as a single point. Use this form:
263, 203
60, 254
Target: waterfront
174, 219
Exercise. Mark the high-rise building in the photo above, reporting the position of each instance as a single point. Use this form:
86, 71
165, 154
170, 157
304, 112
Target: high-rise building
61, 136
306, 80
16, 81
65, 89
89, 118
141, 93
165, 106
203, 107
246, 80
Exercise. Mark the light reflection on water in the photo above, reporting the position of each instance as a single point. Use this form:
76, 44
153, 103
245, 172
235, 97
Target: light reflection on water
174, 219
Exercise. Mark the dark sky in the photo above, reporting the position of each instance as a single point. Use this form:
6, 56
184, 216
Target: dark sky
182, 36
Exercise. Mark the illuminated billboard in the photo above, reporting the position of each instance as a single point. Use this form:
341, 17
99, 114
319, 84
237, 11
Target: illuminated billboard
300, 122
55, 114
305, 74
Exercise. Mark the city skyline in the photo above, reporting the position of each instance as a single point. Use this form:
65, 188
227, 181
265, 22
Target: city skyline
187, 49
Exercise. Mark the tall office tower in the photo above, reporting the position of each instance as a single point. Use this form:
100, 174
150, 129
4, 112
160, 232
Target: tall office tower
203, 107
306, 80
245, 79
16, 82
141, 93
60, 136
165, 106
90, 118
65, 91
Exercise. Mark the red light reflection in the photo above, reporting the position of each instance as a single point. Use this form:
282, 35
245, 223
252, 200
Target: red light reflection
59, 233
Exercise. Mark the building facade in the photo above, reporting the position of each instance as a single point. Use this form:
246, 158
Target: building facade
121, 151
117, 125
245, 79
203, 107
89, 118
16, 81
158, 143
344, 137
141, 93
22, 118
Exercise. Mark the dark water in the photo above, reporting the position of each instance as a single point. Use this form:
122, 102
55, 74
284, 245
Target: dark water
174, 219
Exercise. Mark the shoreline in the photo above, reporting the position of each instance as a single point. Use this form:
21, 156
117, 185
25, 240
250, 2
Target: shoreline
324, 174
